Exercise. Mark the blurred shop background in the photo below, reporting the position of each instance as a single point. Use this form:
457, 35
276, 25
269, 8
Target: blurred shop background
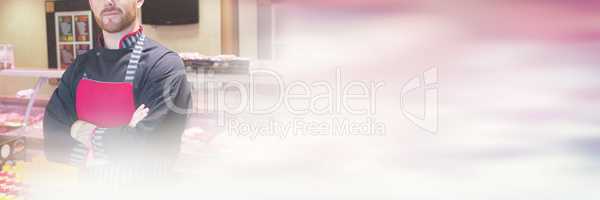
493, 99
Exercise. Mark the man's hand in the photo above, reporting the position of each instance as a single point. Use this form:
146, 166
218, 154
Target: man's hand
82, 132
138, 115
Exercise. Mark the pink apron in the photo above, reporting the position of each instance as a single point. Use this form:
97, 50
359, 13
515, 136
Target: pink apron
105, 104
108, 104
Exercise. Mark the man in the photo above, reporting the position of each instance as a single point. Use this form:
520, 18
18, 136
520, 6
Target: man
116, 104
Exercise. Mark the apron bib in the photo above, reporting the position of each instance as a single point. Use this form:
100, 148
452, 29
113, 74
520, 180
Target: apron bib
105, 104
109, 104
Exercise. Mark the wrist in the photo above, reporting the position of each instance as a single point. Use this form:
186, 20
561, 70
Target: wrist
80, 128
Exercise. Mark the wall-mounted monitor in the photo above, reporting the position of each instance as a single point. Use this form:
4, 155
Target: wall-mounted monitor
170, 12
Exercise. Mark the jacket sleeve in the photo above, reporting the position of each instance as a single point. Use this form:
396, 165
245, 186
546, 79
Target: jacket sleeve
60, 114
166, 92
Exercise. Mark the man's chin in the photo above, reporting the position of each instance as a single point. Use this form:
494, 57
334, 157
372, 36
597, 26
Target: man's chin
113, 28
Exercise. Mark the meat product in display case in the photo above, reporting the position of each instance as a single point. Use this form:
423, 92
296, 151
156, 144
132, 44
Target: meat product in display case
7, 57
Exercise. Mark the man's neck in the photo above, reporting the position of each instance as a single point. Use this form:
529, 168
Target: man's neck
112, 40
